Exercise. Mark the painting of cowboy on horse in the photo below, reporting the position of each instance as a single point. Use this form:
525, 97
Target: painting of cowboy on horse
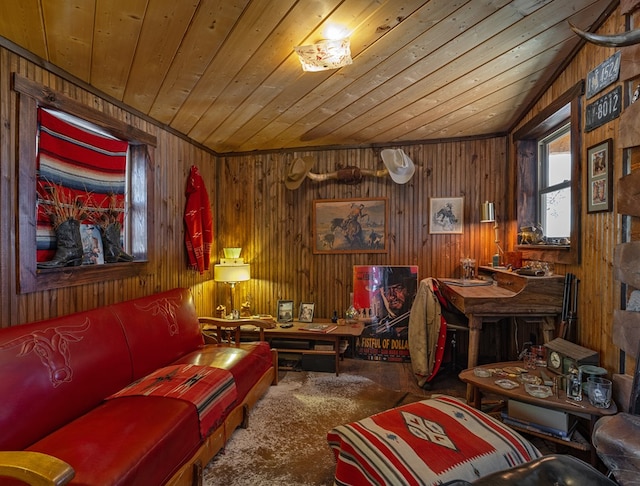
350, 225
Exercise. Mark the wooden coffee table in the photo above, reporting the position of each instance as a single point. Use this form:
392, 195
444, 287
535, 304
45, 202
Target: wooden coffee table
296, 332
581, 409
269, 330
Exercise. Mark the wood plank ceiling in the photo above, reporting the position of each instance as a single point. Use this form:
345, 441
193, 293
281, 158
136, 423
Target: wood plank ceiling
225, 74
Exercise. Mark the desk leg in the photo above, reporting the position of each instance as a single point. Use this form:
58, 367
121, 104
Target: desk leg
336, 348
475, 326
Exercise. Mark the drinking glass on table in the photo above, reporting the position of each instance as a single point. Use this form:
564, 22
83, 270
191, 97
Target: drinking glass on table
599, 390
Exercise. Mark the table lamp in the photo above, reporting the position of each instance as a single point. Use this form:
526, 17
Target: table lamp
232, 270
488, 215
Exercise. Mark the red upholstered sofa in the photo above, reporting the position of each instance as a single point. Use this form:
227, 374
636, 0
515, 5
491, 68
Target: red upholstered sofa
58, 378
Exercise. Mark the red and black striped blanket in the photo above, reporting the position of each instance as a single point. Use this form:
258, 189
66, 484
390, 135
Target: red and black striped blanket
211, 390
427, 442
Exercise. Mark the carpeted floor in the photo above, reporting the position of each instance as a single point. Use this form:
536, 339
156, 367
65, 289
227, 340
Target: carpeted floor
285, 443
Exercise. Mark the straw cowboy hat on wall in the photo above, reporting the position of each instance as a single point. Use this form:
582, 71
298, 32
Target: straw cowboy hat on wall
298, 171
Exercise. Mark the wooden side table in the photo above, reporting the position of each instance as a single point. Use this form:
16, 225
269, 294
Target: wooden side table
581, 409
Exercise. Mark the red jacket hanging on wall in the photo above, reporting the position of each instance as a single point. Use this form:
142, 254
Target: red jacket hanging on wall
198, 221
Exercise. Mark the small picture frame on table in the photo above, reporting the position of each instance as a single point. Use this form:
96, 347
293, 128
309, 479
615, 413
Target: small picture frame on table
600, 177
285, 311
306, 312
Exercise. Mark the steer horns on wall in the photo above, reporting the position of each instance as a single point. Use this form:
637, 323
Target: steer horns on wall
617, 40
398, 166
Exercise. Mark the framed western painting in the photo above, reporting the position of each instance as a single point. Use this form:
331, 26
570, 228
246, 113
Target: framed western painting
600, 177
350, 225
446, 215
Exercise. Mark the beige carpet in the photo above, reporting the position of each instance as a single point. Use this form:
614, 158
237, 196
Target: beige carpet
285, 443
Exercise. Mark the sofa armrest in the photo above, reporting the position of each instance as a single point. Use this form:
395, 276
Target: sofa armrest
35, 468
218, 324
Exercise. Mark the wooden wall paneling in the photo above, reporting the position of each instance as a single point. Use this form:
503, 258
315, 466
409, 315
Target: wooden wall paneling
7, 238
598, 294
327, 278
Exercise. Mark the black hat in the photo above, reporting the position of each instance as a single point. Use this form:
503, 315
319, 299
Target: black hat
401, 276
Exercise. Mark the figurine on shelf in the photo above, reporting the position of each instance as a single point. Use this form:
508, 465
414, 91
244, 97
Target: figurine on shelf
574, 383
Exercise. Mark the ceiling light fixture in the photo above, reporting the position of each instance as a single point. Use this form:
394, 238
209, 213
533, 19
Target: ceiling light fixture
325, 54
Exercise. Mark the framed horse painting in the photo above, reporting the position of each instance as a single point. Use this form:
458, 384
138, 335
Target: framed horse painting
446, 215
350, 225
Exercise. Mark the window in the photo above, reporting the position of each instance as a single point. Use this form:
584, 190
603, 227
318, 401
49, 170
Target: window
548, 177
81, 173
31, 97
554, 185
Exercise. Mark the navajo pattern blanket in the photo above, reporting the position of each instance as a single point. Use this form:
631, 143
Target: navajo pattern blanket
428, 442
79, 166
211, 390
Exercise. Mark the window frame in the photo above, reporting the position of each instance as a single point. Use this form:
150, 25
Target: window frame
566, 108
32, 95
544, 188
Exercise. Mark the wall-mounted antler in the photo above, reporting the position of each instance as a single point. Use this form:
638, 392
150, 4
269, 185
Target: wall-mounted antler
617, 40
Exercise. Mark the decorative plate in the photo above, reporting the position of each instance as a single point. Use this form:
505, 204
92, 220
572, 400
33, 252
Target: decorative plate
528, 378
482, 372
507, 384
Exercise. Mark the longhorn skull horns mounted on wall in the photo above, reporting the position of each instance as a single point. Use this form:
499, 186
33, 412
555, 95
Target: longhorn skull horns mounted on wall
617, 40
398, 166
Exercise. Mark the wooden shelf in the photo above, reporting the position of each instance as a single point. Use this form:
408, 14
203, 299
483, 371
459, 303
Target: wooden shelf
577, 440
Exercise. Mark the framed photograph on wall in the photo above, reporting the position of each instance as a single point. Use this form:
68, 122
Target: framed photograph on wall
600, 177
306, 312
285, 311
350, 225
446, 215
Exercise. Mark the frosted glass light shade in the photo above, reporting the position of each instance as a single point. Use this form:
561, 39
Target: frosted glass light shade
326, 54
232, 273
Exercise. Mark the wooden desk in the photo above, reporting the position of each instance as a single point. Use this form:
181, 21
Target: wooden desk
582, 409
512, 295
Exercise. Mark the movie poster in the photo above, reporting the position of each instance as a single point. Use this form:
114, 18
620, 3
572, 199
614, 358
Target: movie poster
383, 296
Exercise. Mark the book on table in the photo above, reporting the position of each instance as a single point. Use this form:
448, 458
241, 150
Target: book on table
319, 327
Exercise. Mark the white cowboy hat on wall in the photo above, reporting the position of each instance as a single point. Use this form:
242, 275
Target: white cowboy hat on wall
401, 168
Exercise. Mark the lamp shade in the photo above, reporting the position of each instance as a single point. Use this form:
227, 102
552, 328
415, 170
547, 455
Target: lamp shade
487, 212
326, 54
232, 273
